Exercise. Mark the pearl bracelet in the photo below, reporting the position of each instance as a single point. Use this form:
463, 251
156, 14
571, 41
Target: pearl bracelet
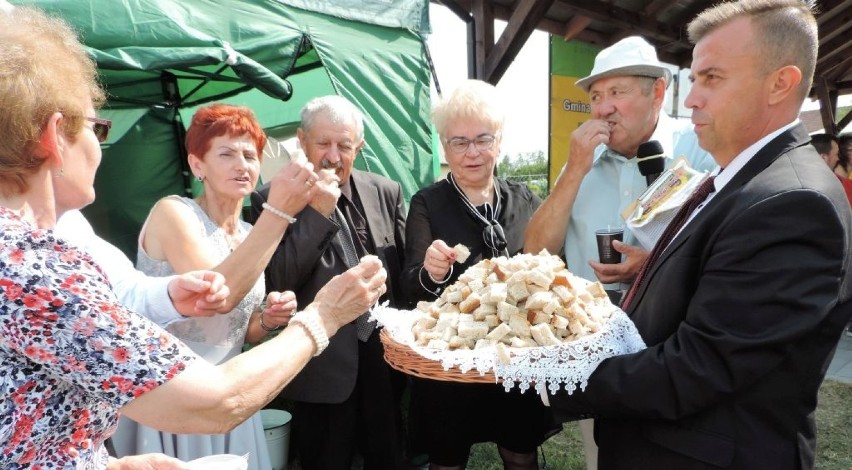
279, 212
311, 322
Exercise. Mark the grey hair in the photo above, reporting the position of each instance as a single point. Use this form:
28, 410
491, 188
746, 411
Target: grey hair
337, 108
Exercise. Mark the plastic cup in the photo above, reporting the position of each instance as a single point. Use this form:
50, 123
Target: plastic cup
606, 252
220, 462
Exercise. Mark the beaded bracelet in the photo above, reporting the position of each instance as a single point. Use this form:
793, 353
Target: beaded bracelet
310, 321
279, 212
265, 328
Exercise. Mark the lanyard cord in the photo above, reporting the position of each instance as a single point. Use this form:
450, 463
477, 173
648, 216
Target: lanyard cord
491, 212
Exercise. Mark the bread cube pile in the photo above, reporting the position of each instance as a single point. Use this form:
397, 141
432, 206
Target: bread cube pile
523, 301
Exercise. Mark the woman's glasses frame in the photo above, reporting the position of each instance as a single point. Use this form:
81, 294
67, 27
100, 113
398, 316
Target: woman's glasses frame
482, 143
100, 128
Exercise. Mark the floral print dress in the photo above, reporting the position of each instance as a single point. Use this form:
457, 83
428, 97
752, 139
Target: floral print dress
70, 354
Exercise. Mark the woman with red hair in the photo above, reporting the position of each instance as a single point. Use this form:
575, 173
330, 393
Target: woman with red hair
225, 144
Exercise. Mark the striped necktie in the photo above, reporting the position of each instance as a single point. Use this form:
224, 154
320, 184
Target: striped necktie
344, 235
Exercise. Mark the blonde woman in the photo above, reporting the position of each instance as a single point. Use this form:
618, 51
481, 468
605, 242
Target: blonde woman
488, 215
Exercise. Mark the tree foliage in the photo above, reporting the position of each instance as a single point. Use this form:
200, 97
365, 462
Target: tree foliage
528, 167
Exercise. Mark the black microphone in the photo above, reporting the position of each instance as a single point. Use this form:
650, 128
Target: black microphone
651, 160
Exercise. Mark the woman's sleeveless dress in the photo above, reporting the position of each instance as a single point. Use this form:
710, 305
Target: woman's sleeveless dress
216, 339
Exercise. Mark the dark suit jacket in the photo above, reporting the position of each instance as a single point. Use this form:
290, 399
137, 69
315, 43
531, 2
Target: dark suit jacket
310, 254
741, 315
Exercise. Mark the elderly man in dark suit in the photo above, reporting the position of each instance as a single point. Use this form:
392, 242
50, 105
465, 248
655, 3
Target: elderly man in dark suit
743, 307
346, 400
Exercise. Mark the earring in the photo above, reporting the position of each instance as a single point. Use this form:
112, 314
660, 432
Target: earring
61, 172
200, 179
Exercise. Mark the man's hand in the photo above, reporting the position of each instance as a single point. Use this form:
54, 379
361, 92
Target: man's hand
147, 462
622, 272
584, 140
199, 293
348, 295
326, 192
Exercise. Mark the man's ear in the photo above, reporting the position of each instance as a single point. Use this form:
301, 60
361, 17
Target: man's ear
300, 134
52, 142
659, 93
783, 82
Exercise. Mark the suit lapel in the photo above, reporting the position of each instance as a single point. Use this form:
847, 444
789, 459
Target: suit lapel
786, 141
369, 194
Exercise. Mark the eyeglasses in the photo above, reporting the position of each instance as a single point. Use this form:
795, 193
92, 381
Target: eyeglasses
461, 144
495, 238
100, 128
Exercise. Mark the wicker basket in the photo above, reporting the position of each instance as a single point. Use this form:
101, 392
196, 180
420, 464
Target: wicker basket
404, 359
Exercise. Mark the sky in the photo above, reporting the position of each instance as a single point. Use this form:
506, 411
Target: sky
524, 87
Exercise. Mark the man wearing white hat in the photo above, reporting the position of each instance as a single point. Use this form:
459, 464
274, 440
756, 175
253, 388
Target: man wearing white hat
601, 178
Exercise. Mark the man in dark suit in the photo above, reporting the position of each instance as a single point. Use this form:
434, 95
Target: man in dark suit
742, 311
346, 400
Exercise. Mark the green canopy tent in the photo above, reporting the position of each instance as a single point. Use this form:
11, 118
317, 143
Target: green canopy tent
161, 59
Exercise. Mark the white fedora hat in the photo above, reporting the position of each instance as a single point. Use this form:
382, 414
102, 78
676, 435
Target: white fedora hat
632, 56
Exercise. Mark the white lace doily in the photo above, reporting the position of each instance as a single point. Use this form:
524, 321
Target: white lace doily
568, 365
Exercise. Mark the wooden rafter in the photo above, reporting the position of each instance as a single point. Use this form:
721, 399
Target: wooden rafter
521, 25
662, 22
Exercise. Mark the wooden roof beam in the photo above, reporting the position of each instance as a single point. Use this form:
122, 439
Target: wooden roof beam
838, 46
827, 105
524, 19
838, 70
838, 24
630, 21
455, 7
483, 20
689, 13
654, 7
831, 8
575, 26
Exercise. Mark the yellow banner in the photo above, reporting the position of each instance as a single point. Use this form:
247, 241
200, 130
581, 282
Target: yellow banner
569, 107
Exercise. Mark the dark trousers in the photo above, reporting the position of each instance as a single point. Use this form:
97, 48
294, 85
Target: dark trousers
369, 422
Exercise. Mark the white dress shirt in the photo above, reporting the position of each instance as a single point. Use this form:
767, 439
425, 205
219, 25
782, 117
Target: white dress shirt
144, 294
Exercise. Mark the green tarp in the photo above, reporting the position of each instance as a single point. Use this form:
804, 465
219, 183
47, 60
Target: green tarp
160, 59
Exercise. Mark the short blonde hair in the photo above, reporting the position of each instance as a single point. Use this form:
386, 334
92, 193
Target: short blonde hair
45, 69
786, 32
474, 100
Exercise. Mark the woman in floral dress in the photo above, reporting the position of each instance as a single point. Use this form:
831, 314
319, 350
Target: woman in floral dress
71, 356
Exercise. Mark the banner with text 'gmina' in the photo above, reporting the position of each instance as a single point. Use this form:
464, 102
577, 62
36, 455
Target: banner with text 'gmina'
569, 105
